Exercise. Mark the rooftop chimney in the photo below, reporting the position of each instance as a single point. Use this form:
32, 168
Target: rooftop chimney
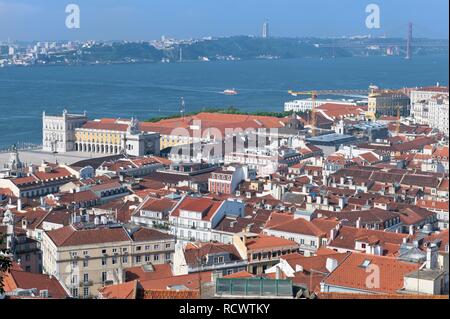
358, 222
19, 204
411, 230
319, 200
432, 257
341, 202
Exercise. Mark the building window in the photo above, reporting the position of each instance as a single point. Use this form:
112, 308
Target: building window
156, 247
125, 259
85, 278
75, 292
103, 251
155, 257
168, 255
168, 245
147, 258
147, 247
138, 259
114, 260
138, 248
85, 263
86, 292
104, 276
104, 262
85, 252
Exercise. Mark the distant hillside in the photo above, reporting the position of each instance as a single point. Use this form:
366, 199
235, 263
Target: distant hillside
250, 48
244, 47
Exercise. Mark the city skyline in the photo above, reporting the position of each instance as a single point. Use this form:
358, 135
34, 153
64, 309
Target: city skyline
136, 20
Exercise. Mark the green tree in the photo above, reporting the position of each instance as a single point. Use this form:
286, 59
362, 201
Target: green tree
5, 263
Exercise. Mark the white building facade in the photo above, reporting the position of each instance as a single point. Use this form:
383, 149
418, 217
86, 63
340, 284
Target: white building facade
59, 131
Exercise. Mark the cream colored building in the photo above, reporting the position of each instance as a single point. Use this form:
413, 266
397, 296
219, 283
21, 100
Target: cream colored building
58, 132
112, 137
387, 103
85, 259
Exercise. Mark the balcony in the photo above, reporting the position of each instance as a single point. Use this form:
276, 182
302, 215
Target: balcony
86, 283
218, 266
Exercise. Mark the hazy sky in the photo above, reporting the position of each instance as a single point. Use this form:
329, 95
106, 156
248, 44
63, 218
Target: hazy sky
149, 19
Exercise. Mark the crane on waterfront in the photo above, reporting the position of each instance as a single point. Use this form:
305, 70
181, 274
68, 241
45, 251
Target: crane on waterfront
315, 93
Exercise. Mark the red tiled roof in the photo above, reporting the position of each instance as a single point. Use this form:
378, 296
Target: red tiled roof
171, 294
139, 273
347, 236
148, 234
191, 281
192, 252
351, 274
433, 205
240, 274
268, 242
69, 236
27, 280
126, 290
299, 226
206, 206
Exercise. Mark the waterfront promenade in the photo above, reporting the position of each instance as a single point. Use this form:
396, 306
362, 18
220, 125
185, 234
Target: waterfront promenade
37, 156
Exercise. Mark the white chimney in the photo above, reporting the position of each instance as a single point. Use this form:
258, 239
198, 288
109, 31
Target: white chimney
319, 200
324, 180
331, 264
358, 222
19, 204
411, 230
333, 233
341, 203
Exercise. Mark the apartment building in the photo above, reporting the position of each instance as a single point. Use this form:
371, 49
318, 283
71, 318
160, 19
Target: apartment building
85, 257
227, 180
59, 131
262, 251
194, 218
419, 100
309, 235
40, 180
222, 259
386, 102
307, 104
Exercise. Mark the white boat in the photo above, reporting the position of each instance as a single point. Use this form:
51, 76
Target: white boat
230, 92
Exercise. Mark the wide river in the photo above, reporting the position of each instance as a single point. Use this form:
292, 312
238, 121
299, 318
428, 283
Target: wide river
147, 90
